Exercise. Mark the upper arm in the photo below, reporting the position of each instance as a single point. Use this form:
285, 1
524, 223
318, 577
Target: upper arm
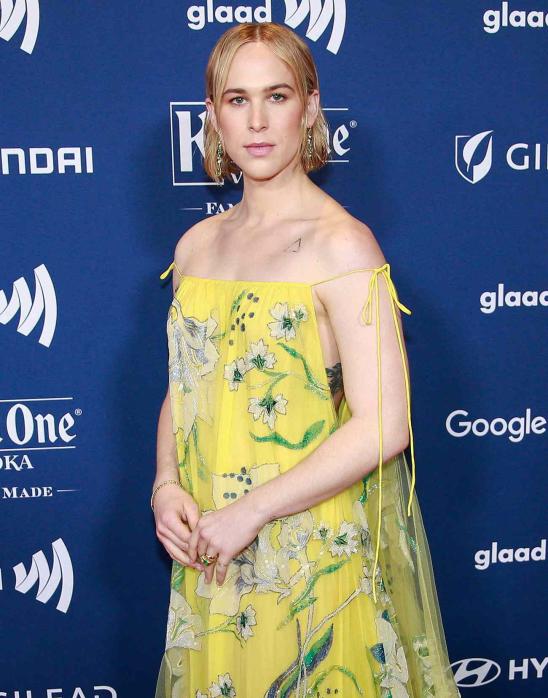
360, 348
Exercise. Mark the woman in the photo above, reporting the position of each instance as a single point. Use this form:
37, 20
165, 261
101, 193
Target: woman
280, 492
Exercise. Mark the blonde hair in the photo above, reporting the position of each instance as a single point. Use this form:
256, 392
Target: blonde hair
288, 46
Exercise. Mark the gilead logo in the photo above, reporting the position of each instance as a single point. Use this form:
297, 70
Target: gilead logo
474, 156
76, 692
485, 558
493, 20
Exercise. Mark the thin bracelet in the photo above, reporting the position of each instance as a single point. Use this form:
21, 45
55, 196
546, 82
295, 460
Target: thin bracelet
165, 482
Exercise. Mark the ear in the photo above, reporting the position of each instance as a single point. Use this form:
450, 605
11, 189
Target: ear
312, 107
211, 113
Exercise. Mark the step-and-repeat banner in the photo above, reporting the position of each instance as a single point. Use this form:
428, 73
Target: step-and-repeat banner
439, 141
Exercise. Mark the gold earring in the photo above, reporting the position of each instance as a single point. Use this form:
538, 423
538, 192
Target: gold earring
219, 162
309, 146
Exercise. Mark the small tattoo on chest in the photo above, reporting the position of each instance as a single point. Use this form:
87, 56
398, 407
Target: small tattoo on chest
335, 378
295, 246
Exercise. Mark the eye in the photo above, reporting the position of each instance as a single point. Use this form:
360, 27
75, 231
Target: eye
233, 102
279, 94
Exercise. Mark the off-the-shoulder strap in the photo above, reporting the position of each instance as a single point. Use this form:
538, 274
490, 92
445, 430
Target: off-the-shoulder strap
384, 271
173, 264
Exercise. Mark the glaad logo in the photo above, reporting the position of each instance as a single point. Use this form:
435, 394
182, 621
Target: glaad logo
491, 300
517, 427
485, 558
466, 148
493, 20
320, 14
31, 311
187, 142
12, 17
478, 671
49, 580
44, 161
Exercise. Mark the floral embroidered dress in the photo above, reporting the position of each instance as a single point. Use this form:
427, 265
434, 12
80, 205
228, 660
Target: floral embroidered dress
339, 599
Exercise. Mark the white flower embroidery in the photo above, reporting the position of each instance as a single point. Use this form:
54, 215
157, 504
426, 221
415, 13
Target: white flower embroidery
344, 541
182, 624
286, 320
244, 620
267, 407
224, 687
323, 531
235, 371
259, 356
395, 672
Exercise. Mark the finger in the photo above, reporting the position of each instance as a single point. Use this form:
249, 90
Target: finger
179, 556
221, 567
193, 544
171, 526
192, 513
180, 530
210, 569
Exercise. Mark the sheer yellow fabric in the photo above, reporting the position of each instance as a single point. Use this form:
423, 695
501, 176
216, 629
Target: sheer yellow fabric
340, 597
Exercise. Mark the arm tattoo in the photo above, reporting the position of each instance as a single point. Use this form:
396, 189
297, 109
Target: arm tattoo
335, 378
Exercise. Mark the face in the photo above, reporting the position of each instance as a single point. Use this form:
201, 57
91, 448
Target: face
261, 114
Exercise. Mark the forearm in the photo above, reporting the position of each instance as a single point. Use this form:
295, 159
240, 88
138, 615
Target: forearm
166, 446
342, 459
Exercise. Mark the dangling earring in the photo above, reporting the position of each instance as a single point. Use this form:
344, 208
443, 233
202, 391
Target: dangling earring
309, 147
219, 163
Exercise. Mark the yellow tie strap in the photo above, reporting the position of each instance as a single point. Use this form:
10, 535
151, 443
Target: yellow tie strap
366, 315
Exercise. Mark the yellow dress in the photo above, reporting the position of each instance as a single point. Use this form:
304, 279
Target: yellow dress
337, 600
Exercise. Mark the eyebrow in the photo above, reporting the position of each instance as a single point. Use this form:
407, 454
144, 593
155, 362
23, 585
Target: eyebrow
241, 90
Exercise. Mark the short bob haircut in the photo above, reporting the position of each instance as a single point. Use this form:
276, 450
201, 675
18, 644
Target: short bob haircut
288, 46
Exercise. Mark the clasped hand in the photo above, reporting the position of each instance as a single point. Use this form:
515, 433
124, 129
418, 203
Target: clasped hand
223, 533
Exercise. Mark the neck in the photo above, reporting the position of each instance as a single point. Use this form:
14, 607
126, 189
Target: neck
266, 201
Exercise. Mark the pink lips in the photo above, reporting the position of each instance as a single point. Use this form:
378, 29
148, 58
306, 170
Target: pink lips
259, 149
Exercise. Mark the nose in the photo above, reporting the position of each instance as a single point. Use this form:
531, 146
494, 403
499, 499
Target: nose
257, 117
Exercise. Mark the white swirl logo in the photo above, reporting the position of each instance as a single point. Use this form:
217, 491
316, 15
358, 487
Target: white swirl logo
31, 311
320, 16
12, 17
60, 575
467, 149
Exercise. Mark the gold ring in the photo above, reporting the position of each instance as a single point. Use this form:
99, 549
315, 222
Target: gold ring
207, 559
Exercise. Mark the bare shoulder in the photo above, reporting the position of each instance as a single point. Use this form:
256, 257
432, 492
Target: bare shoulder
347, 244
196, 238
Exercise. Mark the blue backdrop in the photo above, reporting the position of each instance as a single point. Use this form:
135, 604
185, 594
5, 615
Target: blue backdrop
440, 144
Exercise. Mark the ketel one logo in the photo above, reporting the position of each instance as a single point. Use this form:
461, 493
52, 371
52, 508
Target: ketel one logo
474, 155
320, 14
14, 14
31, 311
187, 142
60, 576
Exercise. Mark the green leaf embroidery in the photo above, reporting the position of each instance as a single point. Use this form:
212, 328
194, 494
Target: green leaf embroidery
309, 435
